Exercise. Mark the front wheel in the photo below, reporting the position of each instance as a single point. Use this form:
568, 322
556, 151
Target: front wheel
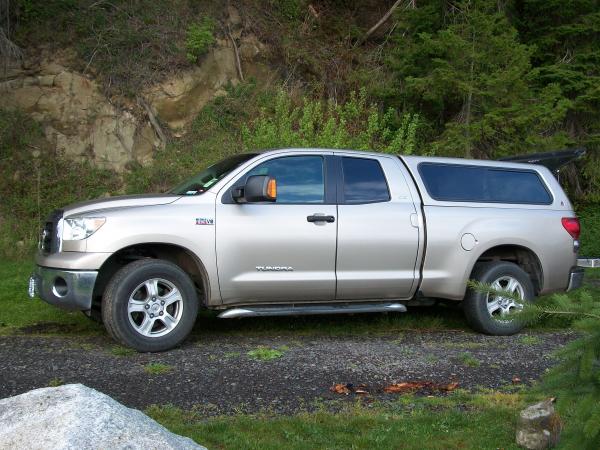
489, 313
150, 305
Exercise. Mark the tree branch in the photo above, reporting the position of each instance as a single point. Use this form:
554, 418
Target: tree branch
153, 120
385, 17
237, 55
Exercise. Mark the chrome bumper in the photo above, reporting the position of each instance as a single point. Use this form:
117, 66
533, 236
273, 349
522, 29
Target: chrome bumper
575, 278
68, 289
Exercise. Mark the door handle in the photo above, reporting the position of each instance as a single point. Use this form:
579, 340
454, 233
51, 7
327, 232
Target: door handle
320, 218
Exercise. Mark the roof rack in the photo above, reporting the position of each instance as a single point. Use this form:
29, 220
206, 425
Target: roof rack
552, 160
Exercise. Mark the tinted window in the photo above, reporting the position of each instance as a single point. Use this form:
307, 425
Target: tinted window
209, 176
364, 181
483, 184
299, 178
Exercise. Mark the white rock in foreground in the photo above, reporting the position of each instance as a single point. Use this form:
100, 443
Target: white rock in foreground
77, 417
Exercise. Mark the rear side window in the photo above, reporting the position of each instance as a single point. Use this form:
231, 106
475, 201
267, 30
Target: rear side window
364, 181
458, 183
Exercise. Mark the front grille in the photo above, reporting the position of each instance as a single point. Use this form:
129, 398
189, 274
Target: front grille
49, 239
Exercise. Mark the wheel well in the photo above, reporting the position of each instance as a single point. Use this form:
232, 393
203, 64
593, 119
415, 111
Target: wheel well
180, 256
522, 257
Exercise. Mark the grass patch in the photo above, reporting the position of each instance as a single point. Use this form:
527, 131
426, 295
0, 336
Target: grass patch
55, 382
454, 421
468, 360
157, 368
20, 314
119, 350
267, 354
468, 345
527, 339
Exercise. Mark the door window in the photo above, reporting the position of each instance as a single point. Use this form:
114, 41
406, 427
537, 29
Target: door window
364, 181
300, 179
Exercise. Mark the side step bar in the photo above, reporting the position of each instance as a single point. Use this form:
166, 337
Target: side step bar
303, 310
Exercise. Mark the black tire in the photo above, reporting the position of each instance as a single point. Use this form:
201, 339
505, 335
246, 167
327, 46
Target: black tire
127, 282
475, 304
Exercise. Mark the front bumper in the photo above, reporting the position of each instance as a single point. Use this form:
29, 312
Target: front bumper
575, 278
68, 289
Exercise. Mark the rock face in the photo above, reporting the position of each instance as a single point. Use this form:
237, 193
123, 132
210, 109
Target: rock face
76, 117
179, 99
79, 121
77, 417
539, 426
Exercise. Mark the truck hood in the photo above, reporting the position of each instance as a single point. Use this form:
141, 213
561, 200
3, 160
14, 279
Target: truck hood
124, 201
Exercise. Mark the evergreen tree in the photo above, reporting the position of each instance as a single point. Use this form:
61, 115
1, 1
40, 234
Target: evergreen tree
566, 37
469, 78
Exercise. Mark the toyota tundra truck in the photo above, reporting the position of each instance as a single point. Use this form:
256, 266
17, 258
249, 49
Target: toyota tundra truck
312, 231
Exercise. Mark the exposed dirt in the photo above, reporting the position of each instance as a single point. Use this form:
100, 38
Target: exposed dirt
216, 375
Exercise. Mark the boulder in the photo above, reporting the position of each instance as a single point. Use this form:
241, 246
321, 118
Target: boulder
74, 416
539, 426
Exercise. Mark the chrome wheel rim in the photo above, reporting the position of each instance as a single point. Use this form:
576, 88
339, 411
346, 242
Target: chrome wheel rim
155, 307
500, 307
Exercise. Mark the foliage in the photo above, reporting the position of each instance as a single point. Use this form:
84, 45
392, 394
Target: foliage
589, 216
467, 74
575, 381
267, 354
127, 44
564, 35
199, 38
35, 179
157, 368
354, 124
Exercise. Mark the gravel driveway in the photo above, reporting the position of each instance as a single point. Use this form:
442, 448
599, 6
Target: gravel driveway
216, 375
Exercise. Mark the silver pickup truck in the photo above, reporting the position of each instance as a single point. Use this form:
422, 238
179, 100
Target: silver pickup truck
304, 231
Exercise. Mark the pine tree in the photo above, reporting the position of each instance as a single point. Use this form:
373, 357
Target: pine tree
566, 37
575, 380
469, 78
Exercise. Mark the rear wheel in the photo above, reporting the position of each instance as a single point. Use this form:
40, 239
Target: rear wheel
150, 305
490, 313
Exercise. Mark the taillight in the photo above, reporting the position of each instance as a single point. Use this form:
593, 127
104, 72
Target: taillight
571, 224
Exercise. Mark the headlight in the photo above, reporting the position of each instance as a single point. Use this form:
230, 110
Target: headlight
78, 228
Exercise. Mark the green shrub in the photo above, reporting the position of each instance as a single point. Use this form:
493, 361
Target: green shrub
199, 38
589, 215
354, 124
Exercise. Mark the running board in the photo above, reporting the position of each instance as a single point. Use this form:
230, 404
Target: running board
303, 310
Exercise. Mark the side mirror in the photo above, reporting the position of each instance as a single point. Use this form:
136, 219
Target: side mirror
258, 188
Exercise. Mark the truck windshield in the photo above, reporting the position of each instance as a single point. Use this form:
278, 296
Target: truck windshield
209, 176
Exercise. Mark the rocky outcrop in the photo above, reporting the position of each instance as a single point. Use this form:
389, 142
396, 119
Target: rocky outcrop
179, 99
81, 122
76, 117
77, 417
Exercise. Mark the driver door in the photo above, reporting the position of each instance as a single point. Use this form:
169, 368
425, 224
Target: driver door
279, 251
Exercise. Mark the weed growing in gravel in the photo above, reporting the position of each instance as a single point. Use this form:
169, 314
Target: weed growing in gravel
119, 350
55, 382
267, 354
157, 368
530, 340
468, 360
464, 345
432, 359
232, 354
